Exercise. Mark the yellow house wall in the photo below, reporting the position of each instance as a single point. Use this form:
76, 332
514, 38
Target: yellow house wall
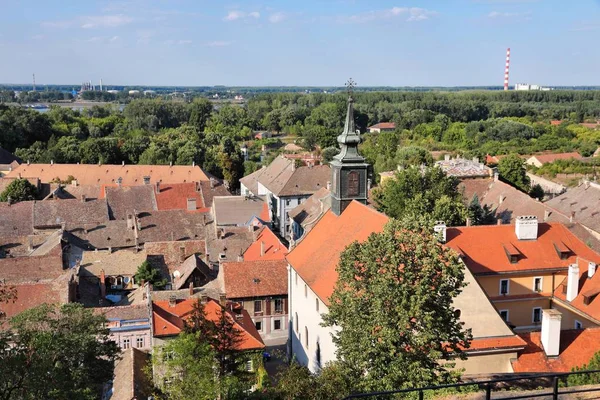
518, 284
520, 313
569, 317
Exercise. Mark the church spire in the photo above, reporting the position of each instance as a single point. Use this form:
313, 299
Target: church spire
348, 168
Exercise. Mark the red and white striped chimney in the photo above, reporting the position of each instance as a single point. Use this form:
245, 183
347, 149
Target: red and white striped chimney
506, 69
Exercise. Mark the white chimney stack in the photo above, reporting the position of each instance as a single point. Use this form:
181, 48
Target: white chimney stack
551, 332
526, 227
572, 282
191, 204
591, 269
440, 228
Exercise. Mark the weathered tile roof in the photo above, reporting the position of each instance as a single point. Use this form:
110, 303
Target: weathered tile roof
471, 187
313, 208
138, 311
169, 320
190, 265
236, 210
120, 262
110, 234
125, 199
551, 157
582, 202
33, 294
174, 196
251, 181
588, 289
316, 257
383, 125
16, 219
463, 168
7, 157
255, 278
268, 244
577, 347
170, 255
485, 248
97, 174
73, 213
306, 180
130, 380
158, 226
211, 188
69, 191
232, 243
32, 269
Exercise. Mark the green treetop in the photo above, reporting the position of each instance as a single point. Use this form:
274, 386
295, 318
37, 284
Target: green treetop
19, 190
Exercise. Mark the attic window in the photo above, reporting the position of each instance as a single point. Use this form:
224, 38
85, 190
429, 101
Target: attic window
512, 253
590, 295
222, 256
562, 250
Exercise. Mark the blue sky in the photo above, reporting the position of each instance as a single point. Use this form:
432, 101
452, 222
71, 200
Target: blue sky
302, 42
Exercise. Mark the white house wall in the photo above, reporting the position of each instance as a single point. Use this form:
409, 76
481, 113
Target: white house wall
304, 317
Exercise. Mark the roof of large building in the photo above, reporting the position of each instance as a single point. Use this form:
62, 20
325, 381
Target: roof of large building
125, 199
211, 188
582, 202
17, 219
230, 242
463, 168
120, 262
130, 378
33, 268
169, 320
159, 226
255, 278
171, 255
588, 289
237, 210
97, 174
383, 125
174, 196
72, 212
31, 295
316, 257
309, 212
486, 249
266, 247
577, 347
551, 157
251, 180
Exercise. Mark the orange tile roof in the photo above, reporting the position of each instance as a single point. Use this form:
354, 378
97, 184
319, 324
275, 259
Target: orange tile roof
384, 125
169, 321
32, 295
548, 158
255, 278
317, 255
265, 214
587, 287
94, 174
576, 348
484, 249
174, 197
273, 248
496, 343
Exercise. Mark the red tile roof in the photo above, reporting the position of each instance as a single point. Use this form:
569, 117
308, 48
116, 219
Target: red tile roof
576, 348
273, 248
588, 287
255, 278
384, 125
548, 158
32, 295
495, 343
484, 247
169, 321
317, 255
174, 197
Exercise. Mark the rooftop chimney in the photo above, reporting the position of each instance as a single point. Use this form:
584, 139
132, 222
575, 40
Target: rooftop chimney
446, 157
102, 284
546, 215
526, 227
83, 198
222, 299
572, 217
468, 222
551, 332
146, 180
204, 299
172, 301
123, 163
74, 182
51, 162
191, 204
182, 254
591, 269
119, 181
500, 199
572, 282
262, 248
130, 223
191, 289
328, 185
440, 229
496, 176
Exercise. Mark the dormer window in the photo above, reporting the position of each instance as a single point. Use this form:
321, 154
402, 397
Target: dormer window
512, 253
562, 250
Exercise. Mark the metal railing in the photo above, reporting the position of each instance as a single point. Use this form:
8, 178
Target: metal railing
553, 387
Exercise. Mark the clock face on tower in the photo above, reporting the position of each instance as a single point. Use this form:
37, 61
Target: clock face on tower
353, 183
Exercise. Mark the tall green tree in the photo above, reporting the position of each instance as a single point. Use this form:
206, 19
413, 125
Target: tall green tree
148, 273
393, 304
200, 111
415, 191
512, 170
19, 190
56, 352
481, 215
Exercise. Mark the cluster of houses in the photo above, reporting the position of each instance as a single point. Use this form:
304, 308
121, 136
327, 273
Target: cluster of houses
267, 257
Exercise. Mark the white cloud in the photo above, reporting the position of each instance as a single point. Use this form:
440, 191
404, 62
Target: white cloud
513, 15
237, 14
105, 21
185, 41
410, 14
277, 17
113, 39
219, 43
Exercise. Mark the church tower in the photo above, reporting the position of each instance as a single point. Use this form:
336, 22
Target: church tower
349, 169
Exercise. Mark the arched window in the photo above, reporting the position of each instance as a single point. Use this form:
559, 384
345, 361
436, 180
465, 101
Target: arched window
306, 337
296, 322
318, 354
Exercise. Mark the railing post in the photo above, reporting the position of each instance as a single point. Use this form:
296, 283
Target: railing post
488, 391
420, 395
555, 389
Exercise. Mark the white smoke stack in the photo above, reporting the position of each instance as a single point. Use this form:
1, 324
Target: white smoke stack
572, 282
551, 332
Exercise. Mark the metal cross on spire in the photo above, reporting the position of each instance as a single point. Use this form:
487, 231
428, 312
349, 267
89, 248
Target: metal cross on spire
350, 85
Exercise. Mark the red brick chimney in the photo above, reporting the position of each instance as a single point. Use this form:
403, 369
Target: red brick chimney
102, 285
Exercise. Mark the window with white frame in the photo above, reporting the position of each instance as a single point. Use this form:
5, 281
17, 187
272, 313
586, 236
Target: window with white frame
578, 325
277, 325
126, 343
504, 315
504, 286
139, 342
537, 284
537, 315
